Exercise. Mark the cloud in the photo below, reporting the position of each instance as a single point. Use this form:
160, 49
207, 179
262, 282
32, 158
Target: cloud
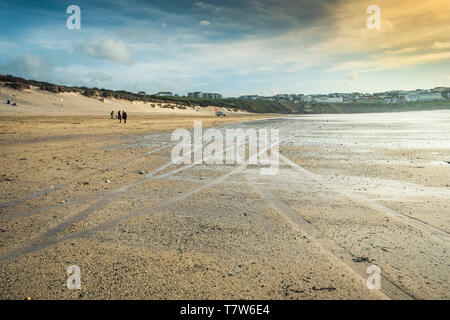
441, 45
33, 66
108, 49
79, 75
401, 51
28, 65
201, 5
402, 43
390, 62
352, 77
245, 45
405, 24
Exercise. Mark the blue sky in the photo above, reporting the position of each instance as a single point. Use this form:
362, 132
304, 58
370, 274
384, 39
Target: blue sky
232, 47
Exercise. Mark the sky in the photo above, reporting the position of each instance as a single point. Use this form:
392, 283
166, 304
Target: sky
232, 47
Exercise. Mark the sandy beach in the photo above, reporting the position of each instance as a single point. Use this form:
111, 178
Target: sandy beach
350, 192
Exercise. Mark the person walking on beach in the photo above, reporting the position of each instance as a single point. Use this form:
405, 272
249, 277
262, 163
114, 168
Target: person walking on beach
119, 116
124, 115
112, 114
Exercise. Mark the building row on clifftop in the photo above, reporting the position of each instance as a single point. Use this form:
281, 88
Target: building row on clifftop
205, 95
397, 96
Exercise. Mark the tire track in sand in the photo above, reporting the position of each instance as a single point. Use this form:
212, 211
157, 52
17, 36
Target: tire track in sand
48, 238
437, 233
388, 289
110, 195
61, 185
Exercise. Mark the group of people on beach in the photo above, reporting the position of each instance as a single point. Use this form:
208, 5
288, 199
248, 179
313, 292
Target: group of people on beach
11, 102
120, 116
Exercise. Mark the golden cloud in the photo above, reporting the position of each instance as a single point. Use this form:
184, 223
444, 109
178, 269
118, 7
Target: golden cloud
411, 32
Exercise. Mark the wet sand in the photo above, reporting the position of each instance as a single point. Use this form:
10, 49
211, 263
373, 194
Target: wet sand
352, 191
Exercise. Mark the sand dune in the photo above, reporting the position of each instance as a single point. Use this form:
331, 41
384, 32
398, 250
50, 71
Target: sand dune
37, 102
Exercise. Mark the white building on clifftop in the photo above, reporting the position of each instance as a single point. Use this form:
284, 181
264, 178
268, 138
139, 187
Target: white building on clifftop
417, 97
